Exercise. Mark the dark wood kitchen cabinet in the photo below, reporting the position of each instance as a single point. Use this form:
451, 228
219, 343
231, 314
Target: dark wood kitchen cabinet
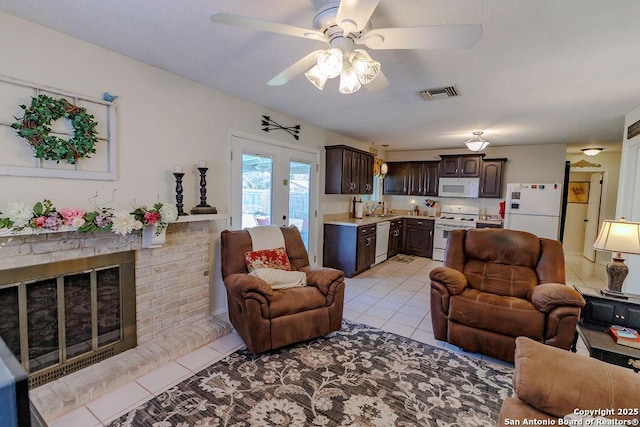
461, 166
491, 178
396, 180
349, 248
348, 171
417, 237
412, 178
423, 178
395, 238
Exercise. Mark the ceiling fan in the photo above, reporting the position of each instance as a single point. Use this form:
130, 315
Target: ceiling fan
344, 26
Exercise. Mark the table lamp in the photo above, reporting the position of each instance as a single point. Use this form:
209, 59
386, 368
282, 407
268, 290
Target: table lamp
618, 237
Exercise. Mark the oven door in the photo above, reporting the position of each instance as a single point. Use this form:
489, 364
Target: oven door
440, 235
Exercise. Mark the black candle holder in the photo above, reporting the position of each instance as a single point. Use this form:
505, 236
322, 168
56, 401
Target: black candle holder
203, 207
179, 204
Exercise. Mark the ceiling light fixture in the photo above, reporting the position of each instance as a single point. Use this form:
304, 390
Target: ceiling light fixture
355, 69
477, 143
592, 151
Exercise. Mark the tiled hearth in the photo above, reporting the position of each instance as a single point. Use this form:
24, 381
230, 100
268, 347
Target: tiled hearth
172, 304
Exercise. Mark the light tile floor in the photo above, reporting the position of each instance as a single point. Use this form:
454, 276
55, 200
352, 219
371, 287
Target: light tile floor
393, 296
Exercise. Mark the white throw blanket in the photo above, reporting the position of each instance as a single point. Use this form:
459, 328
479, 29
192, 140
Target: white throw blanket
266, 237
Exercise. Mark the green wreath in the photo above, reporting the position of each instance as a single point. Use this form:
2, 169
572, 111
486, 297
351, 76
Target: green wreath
35, 127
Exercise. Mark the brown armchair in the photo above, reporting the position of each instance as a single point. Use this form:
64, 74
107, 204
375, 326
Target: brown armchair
496, 285
266, 318
549, 384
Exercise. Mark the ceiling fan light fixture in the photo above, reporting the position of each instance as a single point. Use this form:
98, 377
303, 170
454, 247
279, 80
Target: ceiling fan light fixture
592, 151
477, 143
365, 67
330, 62
349, 82
316, 77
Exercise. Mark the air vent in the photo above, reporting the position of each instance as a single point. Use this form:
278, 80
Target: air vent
437, 93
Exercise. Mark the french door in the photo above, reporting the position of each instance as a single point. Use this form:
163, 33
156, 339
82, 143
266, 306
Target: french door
274, 184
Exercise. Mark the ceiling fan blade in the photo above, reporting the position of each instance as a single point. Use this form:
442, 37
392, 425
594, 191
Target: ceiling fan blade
293, 70
434, 37
353, 15
379, 83
259, 24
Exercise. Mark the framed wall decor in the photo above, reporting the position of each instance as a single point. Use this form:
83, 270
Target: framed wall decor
578, 192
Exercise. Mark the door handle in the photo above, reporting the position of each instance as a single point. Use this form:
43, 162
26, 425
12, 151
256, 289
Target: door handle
284, 217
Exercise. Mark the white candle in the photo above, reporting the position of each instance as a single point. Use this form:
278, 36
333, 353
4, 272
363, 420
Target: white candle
202, 164
177, 169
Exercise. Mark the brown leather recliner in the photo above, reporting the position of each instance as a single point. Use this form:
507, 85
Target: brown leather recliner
549, 384
496, 285
267, 319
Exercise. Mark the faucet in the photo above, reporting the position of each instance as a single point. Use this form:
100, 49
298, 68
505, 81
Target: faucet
379, 205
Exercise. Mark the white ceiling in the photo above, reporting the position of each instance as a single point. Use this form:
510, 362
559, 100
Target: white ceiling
544, 72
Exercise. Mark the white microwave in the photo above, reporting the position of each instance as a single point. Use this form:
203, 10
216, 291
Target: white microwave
458, 187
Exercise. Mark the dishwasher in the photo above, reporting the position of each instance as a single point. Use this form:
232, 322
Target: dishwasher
382, 241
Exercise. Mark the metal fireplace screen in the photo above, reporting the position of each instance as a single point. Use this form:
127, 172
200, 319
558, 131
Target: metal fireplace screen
59, 317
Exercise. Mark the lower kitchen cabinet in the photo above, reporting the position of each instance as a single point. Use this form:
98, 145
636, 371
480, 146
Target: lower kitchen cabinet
417, 237
348, 248
395, 238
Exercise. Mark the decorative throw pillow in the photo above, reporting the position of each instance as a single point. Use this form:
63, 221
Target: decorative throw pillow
267, 258
281, 279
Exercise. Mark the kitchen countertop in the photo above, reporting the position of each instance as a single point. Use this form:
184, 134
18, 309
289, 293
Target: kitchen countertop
489, 221
369, 220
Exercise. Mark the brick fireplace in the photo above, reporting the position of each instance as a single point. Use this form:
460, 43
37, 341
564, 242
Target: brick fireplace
172, 302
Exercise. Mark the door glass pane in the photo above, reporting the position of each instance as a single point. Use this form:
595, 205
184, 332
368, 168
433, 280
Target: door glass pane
299, 185
257, 179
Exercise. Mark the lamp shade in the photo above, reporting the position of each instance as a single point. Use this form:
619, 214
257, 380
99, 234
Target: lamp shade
477, 143
592, 151
619, 236
349, 82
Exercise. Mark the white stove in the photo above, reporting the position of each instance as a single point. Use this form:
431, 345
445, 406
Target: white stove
452, 217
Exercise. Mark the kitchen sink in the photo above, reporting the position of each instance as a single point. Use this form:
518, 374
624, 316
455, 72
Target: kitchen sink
383, 216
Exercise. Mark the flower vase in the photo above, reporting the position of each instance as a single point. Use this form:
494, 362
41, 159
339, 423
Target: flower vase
150, 239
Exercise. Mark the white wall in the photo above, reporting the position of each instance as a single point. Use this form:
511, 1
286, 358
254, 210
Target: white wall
628, 204
163, 120
530, 163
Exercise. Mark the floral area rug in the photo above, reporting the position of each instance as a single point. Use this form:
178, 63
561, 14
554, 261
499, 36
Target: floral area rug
358, 376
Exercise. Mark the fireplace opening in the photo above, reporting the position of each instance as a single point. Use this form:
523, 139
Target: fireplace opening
62, 316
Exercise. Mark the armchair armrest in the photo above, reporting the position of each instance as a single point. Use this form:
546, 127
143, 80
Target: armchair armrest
240, 285
547, 296
322, 277
454, 280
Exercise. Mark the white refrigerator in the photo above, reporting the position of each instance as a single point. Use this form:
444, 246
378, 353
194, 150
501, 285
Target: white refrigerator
534, 208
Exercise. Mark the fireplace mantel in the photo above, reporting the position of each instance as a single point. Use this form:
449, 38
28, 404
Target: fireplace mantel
66, 229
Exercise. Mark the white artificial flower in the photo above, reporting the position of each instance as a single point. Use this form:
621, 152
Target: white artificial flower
19, 213
137, 225
77, 222
168, 213
122, 223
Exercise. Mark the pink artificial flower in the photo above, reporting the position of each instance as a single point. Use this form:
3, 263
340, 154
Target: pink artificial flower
151, 217
40, 221
69, 214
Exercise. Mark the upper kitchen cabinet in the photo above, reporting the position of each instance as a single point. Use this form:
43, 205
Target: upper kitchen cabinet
461, 166
412, 178
349, 171
491, 178
423, 178
396, 180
